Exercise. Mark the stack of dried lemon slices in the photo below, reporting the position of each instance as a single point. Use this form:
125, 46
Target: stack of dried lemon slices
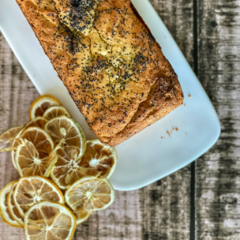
64, 178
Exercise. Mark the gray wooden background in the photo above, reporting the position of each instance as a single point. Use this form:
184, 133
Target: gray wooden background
201, 201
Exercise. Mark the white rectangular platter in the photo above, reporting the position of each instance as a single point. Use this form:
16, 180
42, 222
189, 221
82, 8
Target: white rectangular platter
158, 150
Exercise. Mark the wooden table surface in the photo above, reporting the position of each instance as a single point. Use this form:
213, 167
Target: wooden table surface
201, 201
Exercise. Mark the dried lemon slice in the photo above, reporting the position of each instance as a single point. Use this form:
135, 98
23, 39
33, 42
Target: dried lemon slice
7, 138
40, 139
17, 141
41, 104
89, 194
65, 132
29, 163
67, 171
37, 122
56, 111
12, 207
49, 221
4, 211
98, 160
101, 160
35, 189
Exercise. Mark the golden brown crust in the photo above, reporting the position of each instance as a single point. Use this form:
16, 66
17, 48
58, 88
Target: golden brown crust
111, 65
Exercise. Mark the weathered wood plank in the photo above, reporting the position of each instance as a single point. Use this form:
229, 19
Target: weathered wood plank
16, 94
159, 211
217, 172
166, 208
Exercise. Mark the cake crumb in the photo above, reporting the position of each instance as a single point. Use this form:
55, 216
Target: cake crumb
170, 132
189, 95
184, 104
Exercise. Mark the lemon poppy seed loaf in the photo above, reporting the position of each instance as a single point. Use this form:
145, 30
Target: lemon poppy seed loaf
109, 61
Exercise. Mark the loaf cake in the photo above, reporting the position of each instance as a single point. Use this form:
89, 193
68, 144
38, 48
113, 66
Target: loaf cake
109, 61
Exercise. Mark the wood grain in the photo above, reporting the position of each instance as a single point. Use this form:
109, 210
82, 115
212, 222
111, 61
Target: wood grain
159, 211
217, 172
